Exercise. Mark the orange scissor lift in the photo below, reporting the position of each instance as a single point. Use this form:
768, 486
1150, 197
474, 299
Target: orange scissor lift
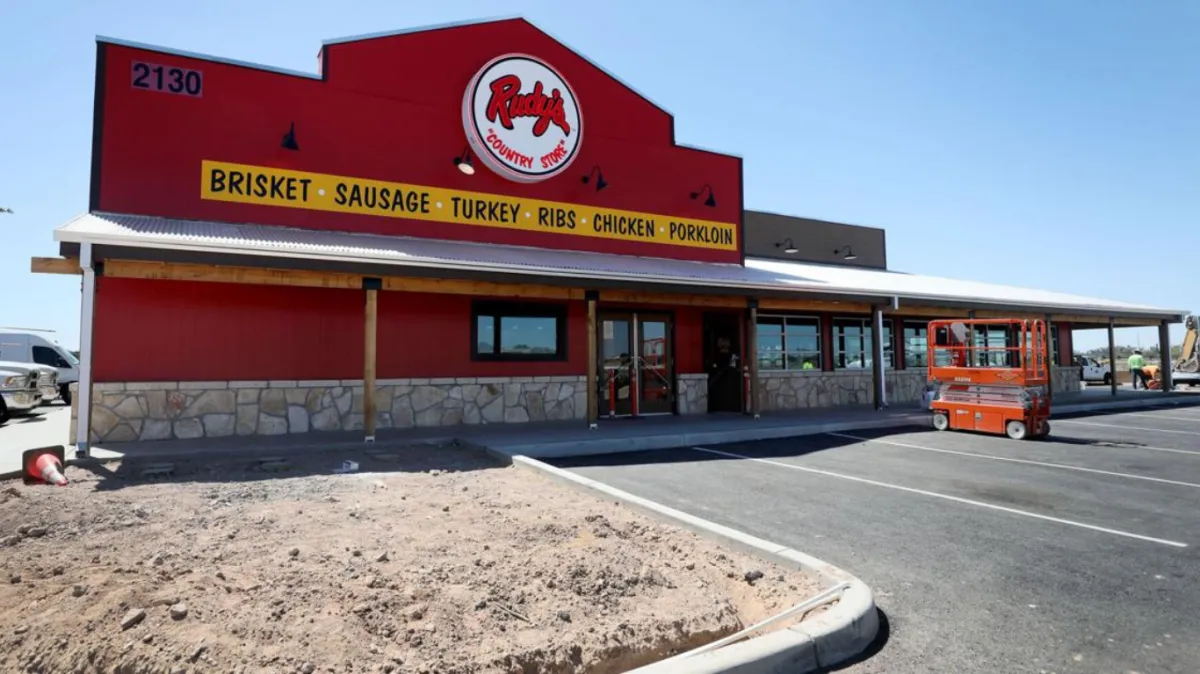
987, 388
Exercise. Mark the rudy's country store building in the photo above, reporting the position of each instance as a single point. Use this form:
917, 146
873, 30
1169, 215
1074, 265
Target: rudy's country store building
511, 236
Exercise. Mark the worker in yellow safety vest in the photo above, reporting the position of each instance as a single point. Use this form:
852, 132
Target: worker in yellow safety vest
1136, 363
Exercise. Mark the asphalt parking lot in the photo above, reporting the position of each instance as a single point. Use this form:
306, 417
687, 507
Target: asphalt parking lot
1078, 553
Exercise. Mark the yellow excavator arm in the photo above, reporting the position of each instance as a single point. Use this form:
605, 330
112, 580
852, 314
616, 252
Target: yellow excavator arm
1189, 357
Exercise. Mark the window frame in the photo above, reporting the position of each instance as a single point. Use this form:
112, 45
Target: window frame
500, 309
924, 352
867, 324
819, 365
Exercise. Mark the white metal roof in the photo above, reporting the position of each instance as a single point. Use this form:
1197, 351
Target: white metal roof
757, 274
936, 288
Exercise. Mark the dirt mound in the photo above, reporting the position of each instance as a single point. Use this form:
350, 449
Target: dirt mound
461, 568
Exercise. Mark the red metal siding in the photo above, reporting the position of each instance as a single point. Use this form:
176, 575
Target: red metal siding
1066, 350
429, 335
191, 331
391, 109
689, 340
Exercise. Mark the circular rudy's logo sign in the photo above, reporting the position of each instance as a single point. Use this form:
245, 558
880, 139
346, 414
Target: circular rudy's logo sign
522, 119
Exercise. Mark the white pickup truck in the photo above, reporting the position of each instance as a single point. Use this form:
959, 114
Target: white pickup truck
1091, 370
19, 392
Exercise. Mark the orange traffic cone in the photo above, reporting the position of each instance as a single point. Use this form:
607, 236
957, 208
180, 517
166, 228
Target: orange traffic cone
44, 465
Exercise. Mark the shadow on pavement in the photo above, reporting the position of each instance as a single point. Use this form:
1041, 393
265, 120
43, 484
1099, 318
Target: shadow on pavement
756, 449
1085, 442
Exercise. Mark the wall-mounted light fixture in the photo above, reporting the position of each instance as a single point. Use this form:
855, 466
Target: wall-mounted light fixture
600, 182
463, 162
849, 253
289, 139
787, 246
711, 200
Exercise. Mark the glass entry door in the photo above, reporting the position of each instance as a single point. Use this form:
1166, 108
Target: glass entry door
636, 365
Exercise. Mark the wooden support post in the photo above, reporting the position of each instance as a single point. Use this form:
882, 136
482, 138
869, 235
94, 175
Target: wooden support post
1050, 361
1112, 356
83, 392
593, 359
370, 338
752, 355
1164, 365
877, 369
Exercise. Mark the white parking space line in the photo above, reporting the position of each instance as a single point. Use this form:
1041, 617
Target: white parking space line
1128, 428
947, 497
1031, 462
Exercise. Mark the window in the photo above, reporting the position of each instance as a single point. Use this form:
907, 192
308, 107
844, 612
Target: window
789, 343
515, 331
991, 342
44, 355
852, 346
916, 339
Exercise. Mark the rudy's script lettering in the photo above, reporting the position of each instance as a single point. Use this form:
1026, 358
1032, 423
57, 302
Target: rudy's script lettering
507, 103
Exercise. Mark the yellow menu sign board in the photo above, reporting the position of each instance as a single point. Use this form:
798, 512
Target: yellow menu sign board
241, 183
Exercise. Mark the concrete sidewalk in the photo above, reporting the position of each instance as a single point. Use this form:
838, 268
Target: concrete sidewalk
562, 439
543, 438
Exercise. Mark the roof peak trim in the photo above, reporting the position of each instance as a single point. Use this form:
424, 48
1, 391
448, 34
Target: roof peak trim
103, 39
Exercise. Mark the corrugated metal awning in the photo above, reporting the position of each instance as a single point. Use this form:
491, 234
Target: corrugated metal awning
400, 251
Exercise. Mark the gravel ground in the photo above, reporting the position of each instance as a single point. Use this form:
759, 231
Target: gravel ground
430, 560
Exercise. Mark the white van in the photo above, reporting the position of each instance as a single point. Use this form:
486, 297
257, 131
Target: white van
29, 347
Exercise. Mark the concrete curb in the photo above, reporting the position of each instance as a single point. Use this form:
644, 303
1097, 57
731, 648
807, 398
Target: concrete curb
831, 637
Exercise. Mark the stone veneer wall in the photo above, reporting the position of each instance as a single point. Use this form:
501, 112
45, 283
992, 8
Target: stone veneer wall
165, 410
184, 410
691, 393
1065, 379
782, 390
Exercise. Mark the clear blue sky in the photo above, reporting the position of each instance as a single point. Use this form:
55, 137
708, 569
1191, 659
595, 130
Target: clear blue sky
1047, 144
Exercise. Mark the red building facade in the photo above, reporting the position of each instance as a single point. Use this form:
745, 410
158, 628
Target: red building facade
513, 235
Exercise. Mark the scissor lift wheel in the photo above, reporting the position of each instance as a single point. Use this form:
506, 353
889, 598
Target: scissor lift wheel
1016, 429
941, 422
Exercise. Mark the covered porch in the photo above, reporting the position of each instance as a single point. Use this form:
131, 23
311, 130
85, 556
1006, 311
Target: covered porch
159, 250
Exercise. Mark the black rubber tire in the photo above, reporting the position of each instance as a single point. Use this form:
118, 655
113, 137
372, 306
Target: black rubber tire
64, 394
941, 422
4, 415
1016, 430
1108, 380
